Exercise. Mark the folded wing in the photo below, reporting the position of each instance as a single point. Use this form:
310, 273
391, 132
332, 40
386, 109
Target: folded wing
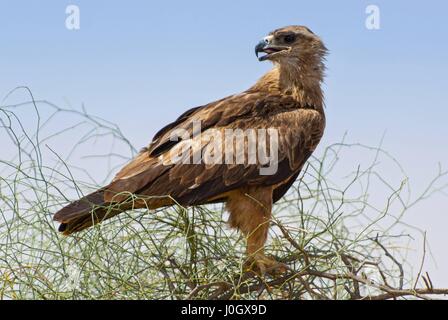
170, 166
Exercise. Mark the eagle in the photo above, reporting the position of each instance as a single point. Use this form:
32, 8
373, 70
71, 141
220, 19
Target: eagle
287, 102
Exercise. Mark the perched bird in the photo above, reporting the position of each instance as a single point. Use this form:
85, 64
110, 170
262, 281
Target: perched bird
287, 102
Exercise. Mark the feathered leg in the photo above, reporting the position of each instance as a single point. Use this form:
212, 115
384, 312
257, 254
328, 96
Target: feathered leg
250, 212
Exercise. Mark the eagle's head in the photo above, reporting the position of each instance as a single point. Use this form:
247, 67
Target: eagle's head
291, 45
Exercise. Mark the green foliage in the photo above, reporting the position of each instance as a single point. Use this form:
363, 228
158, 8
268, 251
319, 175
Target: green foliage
338, 241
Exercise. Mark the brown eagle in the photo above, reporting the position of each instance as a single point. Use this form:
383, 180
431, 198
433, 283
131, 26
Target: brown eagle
287, 100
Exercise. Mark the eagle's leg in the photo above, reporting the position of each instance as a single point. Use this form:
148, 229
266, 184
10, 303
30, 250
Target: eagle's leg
250, 212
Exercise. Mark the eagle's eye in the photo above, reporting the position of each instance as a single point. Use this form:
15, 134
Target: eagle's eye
289, 38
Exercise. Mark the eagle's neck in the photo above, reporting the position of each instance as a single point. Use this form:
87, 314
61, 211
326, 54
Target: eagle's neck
300, 81
303, 82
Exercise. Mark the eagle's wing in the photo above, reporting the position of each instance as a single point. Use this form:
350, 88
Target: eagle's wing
154, 172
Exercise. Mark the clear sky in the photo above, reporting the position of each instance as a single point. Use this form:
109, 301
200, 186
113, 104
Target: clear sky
141, 63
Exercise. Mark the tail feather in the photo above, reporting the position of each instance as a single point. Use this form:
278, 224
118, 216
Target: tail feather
85, 212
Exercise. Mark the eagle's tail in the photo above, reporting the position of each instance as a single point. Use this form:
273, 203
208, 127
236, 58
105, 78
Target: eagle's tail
85, 212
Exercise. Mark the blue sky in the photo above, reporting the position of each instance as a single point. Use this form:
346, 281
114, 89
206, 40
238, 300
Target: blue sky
175, 55
156, 59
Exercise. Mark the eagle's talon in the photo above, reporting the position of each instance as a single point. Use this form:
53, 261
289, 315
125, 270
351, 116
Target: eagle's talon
261, 265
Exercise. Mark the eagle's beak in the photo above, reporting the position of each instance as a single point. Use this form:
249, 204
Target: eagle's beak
260, 48
268, 48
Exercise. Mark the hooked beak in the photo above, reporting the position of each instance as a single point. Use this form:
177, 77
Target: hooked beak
265, 47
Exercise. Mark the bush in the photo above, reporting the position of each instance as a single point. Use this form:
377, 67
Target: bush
337, 242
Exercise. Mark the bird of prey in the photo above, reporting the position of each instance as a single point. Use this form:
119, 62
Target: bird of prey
287, 100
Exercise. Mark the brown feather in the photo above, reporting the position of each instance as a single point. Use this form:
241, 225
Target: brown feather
288, 99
